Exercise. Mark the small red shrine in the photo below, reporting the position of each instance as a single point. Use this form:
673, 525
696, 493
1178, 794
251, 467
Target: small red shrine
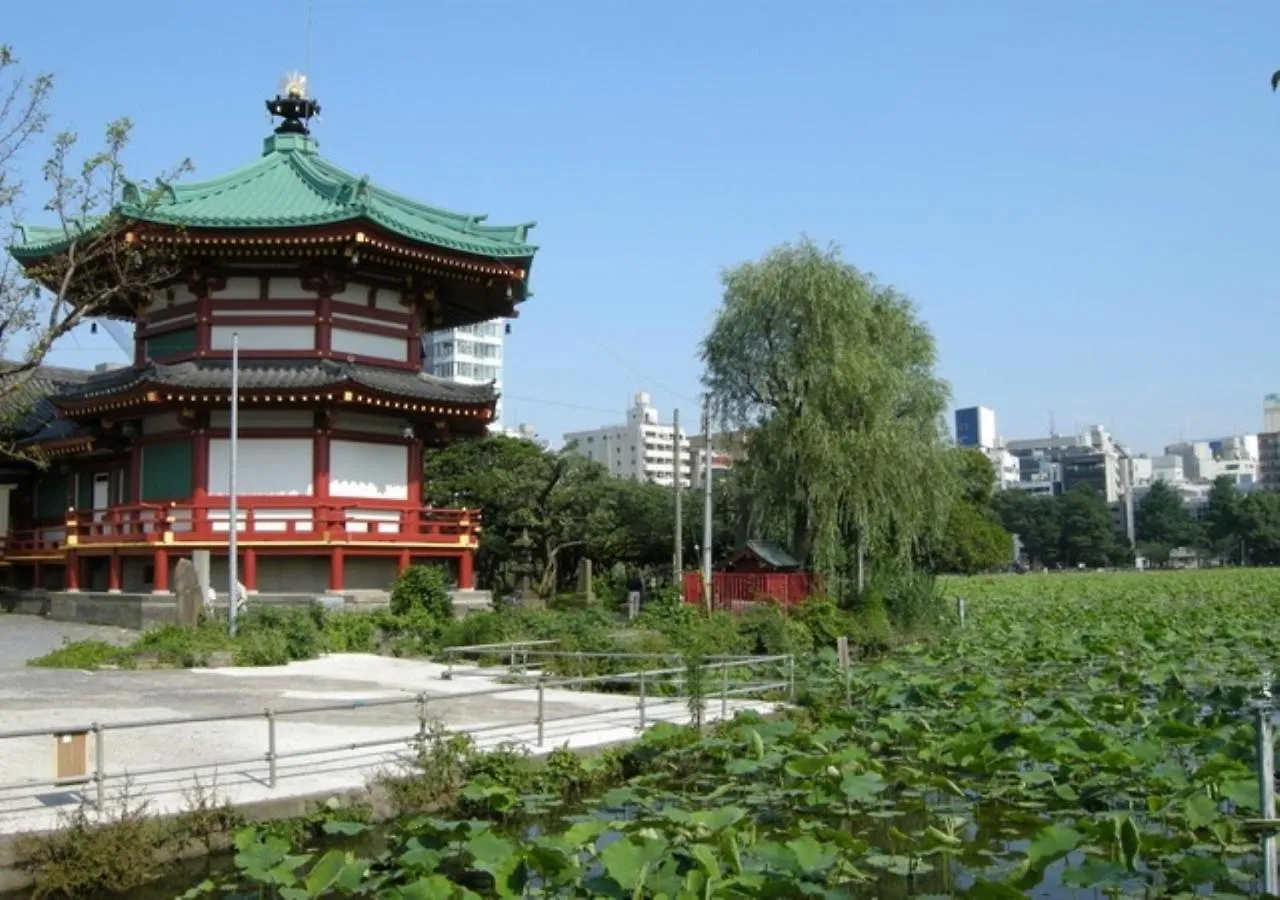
329, 282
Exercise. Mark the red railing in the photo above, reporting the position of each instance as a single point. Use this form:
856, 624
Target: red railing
733, 590
35, 541
266, 519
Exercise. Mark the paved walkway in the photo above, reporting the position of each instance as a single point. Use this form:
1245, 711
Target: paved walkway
26, 637
320, 750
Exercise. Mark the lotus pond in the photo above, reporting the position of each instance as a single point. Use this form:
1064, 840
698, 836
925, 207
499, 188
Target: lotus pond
1082, 736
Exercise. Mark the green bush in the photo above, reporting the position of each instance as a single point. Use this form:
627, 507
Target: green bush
351, 632
176, 645
826, 621
262, 647
767, 630
422, 588
298, 629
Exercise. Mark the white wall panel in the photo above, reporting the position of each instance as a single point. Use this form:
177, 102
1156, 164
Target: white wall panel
301, 315
367, 422
264, 337
388, 299
345, 340
239, 288
373, 521
353, 293
267, 466
165, 422
345, 318
287, 289
367, 469
279, 521
264, 418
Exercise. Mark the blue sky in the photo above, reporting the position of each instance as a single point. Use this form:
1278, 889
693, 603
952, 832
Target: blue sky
1081, 197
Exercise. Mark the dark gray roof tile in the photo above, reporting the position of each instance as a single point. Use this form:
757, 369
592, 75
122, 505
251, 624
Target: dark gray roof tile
301, 375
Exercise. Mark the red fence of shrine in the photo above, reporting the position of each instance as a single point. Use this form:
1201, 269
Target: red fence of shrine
733, 590
282, 519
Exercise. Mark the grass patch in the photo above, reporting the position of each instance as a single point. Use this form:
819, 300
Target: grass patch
81, 655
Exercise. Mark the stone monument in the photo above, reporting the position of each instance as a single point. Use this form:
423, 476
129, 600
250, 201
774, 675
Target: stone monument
190, 597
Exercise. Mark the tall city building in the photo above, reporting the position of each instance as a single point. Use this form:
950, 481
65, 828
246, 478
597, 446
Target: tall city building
1269, 444
642, 448
976, 427
1091, 458
471, 354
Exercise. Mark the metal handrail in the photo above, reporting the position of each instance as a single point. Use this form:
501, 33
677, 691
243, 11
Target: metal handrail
645, 679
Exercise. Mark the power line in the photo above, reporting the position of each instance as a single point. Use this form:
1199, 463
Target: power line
653, 381
560, 403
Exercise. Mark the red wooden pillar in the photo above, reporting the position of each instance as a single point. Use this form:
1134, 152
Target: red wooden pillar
320, 465
135, 472
199, 479
415, 475
337, 575
466, 575
403, 562
415, 345
160, 577
204, 321
73, 571
249, 570
113, 573
324, 328
37, 576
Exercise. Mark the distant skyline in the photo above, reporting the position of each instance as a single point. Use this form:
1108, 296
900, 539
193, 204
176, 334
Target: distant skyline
1080, 197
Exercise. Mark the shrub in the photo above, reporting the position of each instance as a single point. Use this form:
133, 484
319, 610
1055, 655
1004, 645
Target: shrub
825, 621
262, 647
176, 645
351, 632
422, 588
88, 858
297, 630
765, 629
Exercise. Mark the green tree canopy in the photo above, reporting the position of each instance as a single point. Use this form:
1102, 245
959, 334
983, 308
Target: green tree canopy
571, 509
1223, 532
834, 374
1163, 523
1036, 520
973, 542
1259, 522
1088, 532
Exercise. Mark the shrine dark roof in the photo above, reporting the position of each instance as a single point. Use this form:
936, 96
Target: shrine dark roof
285, 376
26, 410
773, 554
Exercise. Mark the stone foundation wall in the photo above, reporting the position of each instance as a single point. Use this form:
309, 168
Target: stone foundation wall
140, 611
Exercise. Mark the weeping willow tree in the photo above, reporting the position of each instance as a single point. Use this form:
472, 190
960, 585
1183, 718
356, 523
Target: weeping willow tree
833, 374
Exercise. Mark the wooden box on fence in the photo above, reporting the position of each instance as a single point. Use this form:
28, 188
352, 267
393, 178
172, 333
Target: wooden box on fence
71, 757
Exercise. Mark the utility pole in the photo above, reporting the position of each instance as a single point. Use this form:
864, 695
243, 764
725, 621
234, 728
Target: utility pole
233, 515
706, 504
1126, 485
675, 469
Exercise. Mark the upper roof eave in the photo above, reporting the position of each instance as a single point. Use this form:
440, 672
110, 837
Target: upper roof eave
291, 186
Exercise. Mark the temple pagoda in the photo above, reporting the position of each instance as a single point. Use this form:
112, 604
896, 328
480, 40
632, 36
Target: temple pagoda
329, 282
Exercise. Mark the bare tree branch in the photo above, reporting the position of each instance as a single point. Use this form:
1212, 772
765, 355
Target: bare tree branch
95, 269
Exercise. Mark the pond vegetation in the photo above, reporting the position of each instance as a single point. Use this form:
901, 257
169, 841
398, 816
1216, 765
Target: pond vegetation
1083, 735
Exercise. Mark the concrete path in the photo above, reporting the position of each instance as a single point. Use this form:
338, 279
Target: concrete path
26, 637
229, 757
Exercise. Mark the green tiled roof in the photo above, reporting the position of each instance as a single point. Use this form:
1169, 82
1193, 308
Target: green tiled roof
292, 186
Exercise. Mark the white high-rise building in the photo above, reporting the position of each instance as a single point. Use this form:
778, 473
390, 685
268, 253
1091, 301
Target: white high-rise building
642, 448
471, 354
